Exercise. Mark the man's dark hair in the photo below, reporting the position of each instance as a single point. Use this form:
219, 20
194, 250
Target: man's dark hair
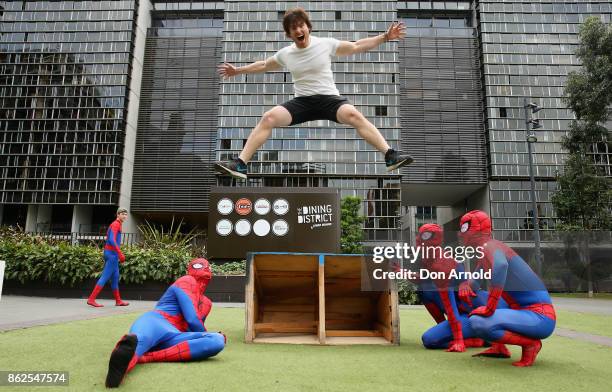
295, 16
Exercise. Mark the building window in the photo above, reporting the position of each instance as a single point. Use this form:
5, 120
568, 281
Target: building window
380, 110
338, 15
281, 15
503, 113
226, 144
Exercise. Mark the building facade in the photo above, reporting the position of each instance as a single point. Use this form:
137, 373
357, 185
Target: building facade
118, 103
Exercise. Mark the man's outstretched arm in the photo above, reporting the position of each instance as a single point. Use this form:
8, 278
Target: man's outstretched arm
227, 70
395, 31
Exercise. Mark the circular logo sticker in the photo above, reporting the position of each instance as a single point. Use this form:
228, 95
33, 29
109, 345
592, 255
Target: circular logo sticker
262, 206
224, 227
243, 206
465, 227
280, 206
243, 227
225, 206
261, 227
280, 227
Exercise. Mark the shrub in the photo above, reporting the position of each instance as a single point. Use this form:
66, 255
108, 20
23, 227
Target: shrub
407, 293
32, 258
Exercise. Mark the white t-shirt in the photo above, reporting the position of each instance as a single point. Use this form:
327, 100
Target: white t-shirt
310, 67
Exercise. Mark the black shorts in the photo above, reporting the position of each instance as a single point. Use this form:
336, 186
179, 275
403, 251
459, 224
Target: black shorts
314, 107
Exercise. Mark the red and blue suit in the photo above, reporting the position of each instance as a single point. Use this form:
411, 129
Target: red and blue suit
112, 257
439, 296
531, 316
174, 331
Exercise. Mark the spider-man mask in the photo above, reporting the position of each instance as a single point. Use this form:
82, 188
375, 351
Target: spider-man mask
200, 269
430, 234
475, 228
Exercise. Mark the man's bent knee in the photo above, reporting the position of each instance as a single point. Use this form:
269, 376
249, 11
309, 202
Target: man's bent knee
352, 117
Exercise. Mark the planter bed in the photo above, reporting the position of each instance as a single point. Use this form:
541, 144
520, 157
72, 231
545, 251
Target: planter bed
223, 288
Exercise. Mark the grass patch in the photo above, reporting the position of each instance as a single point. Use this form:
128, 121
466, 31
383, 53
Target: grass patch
585, 322
83, 348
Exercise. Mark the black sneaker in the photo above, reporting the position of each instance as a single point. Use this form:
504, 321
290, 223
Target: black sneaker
235, 168
396, 159
120, 359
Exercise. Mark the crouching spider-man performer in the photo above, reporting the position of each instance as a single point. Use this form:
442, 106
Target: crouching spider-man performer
439, 296
112, 257
174, 331
531, 316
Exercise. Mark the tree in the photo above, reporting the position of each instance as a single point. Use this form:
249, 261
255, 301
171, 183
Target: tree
582, 201
351, 224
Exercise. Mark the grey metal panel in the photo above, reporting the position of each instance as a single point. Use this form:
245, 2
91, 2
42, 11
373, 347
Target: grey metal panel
441, 110
177, 124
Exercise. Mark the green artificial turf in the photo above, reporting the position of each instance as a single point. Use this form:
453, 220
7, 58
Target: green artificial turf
596, 324
83, 348
583, 295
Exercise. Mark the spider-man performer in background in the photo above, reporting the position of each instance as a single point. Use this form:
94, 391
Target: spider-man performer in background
112, 257
439, 296
531, 316
174, 331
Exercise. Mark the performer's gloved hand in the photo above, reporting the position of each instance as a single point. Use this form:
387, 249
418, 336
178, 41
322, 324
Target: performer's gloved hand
224, 337
466, 292
121, 257
486, 311
483, 311
456, 346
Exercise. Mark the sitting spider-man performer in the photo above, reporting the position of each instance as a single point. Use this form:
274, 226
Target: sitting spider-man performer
174, 331
112, 257
440, 298
531, 316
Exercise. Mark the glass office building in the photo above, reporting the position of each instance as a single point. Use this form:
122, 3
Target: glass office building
64, 74
108, 103
527, 51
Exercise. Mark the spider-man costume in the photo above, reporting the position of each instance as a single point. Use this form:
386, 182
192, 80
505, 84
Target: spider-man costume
174, 331
531, 316
440, 298
112, 257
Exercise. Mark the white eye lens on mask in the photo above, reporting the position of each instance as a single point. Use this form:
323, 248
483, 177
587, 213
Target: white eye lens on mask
465, 227
197, 266
426, 235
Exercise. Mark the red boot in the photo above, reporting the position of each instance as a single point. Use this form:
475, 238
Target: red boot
531, 347
497, 350
118, 301
92, 297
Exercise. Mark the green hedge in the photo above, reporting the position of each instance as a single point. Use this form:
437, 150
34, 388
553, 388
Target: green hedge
407, 293
31, 258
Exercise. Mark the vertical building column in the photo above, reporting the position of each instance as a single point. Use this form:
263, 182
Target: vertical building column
143, 22
43, 218
37, 214
31, 218
81, 218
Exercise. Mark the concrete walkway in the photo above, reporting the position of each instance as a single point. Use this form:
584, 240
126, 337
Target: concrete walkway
23, 312
584, 305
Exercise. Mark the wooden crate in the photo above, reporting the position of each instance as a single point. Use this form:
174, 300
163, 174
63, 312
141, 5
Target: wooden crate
316, 299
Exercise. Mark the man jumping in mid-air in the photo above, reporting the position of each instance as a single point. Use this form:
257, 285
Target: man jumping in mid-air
316, 95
